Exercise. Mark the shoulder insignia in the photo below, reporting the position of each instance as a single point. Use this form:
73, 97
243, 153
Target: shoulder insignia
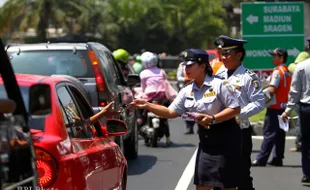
230, 88
276, 74
255, 83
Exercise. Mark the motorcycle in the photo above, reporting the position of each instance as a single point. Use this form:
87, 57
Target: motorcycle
154, 128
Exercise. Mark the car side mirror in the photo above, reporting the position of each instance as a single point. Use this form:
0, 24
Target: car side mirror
116, 127
40, 100
133, 79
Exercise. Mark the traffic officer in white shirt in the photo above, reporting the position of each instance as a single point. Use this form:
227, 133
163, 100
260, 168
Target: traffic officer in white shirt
250, 95
300, 94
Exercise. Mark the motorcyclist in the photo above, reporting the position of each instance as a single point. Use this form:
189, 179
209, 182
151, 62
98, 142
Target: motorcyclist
137, 66
152, 79
122, 57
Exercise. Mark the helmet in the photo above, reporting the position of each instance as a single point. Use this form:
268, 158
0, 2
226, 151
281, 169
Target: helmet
138, 58
149, 59
121, 55
137, 67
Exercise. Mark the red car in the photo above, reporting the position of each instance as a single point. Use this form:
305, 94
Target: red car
70, 153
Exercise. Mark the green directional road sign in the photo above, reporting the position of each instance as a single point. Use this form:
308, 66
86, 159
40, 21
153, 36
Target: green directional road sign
267, 26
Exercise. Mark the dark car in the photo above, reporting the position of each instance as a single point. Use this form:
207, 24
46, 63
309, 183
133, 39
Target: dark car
93, 64
17, 158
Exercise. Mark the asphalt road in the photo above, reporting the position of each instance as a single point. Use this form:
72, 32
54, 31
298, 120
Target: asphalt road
161, 168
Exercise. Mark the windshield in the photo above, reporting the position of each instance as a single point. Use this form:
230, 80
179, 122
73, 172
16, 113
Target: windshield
34, 123
62, 62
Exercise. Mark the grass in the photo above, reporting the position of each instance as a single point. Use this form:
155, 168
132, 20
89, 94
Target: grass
258, 117
261, 116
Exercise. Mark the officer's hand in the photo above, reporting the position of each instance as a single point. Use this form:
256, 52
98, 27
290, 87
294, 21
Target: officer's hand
203, 119
138, 104
284, 117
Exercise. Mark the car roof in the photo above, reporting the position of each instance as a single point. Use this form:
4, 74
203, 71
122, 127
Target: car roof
52, 46
29, 79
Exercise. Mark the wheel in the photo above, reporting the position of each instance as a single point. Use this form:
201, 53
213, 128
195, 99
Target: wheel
132, 144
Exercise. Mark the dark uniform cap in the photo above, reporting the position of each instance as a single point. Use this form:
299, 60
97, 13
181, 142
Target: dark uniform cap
227, 44
308, 39
279, 51
195, 55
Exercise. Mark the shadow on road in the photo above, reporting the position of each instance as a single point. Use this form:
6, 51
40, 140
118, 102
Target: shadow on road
141, 165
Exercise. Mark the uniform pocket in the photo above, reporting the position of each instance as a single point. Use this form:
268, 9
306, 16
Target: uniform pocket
189, 103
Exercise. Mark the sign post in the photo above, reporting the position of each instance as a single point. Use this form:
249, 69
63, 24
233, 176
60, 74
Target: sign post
267, 26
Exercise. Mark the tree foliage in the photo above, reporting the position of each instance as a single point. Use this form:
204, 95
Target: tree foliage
156, 25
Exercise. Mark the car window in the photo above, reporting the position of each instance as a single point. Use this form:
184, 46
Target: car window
75, 122
119, 73
64, 62
86, 110
110, 75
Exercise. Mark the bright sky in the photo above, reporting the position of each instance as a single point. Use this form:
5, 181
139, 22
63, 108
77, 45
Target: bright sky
2, 2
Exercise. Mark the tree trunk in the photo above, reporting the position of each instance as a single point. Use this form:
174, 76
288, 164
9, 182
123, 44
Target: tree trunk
43, 23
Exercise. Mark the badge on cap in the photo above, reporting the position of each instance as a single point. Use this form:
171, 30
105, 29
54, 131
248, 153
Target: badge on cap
221, 42
185, 54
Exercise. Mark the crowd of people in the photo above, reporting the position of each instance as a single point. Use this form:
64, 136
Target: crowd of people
220, 96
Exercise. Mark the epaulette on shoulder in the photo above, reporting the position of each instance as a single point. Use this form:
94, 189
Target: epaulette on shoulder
219, 77
251, 73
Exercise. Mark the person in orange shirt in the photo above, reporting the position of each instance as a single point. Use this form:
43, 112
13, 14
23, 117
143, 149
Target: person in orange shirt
216, 64
280, 82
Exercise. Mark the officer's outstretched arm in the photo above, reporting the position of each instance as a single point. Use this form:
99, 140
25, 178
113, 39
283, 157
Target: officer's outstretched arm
157, 109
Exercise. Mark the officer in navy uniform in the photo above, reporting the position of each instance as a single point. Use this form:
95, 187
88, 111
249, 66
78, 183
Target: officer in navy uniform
211, 101
250, 96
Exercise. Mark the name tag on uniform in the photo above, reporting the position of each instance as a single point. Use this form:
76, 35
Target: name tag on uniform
209, 94
189, 98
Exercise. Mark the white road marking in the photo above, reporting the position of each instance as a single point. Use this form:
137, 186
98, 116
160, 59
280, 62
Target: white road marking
188, 174
262, 137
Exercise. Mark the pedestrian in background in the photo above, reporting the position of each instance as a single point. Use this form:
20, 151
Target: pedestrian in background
249, 94
279, 87
300, 94
216, 64
301, 57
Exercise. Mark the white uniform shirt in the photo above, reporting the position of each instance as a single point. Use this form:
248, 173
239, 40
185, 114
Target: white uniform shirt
211, 98
300, 86
249, 93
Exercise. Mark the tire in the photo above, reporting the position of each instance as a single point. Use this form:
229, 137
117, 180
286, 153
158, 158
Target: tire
131, 144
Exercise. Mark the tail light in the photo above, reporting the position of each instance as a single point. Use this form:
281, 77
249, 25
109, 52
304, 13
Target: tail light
46, 167
102, 103
98, 75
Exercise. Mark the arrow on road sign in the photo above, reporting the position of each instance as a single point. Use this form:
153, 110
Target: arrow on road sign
252, 19
293, 52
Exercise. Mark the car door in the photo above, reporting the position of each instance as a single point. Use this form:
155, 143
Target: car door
126, 94
107, 149
84, 144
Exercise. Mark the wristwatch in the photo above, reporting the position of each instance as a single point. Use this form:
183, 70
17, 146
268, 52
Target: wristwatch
213, 119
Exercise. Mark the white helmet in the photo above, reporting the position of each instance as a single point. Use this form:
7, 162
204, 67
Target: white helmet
149, 59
